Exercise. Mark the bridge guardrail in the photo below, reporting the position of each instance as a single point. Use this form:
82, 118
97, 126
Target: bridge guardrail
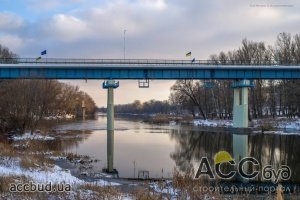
137, 61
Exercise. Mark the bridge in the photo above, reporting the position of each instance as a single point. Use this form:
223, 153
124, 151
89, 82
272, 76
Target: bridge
53, 68
110, 69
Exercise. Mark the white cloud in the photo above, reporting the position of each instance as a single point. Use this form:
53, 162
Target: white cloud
14, 43
155, 4
42, 6
9, 21
66, 28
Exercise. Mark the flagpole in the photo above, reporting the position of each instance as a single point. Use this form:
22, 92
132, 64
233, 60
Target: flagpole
124, 42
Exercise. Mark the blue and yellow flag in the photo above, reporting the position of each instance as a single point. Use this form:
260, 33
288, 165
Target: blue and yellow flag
188, 54
44, 52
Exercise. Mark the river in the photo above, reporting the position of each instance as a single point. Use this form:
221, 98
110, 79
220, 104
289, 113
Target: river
159, 148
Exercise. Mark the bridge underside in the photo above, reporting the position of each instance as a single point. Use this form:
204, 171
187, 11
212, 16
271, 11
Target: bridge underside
67, 71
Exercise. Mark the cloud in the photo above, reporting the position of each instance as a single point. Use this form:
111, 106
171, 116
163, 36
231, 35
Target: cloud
155, 28
66, 28
14, 43
154, 4
45, 6
10, 22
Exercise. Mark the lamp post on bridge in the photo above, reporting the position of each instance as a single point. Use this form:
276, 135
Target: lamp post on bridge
110, 85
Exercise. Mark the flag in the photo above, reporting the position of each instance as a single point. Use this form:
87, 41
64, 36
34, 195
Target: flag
39, 58
193, 60
44, 52
188, 54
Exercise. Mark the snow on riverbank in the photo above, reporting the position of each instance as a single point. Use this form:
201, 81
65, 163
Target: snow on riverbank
280, 123
67, 116
11, 167
277, 132
166, 189
55, 174
213, 123
294, 124
29, 136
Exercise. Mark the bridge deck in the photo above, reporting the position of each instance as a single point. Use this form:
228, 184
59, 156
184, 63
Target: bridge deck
142, 69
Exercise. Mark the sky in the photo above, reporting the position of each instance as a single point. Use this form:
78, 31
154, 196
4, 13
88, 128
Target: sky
161, 29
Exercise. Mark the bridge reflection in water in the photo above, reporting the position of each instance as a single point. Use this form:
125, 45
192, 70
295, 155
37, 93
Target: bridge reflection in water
268, 149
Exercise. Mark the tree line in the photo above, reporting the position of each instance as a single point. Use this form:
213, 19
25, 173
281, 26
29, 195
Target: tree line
148, 107
266, 98
24, 103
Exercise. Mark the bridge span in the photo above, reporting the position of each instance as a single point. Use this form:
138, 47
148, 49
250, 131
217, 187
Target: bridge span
53, 68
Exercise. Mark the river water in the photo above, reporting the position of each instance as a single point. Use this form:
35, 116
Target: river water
159, 148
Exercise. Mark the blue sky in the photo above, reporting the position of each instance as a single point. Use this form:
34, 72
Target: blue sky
155, 29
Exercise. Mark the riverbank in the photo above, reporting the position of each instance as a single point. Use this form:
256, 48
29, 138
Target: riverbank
38, 160
265, 124
278, 125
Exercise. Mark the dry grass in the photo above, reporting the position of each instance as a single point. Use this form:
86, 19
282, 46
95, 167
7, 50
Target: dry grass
33, 156
36, 161
30, 152
73, 156
5, 182
158, 119
190, 187
100, 192
146, 194
7, 150
266, 127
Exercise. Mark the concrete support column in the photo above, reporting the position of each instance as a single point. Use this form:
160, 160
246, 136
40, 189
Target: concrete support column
110, 129
240, 107
83, 110
240, 118
110, 85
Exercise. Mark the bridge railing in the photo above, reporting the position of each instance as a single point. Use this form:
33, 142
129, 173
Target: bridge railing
138, 61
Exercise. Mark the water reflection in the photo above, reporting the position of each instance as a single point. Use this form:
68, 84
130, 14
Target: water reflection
146, 145
159, 149
268, 149
192, 145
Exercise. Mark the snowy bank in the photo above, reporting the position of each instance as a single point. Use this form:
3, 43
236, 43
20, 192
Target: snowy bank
33, 136
277, 132
280, 123
294, 124
213, 123
11, 167
67, 116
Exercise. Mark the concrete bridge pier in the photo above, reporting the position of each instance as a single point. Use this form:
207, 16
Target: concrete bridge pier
110, 85
240, 118
83, 110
